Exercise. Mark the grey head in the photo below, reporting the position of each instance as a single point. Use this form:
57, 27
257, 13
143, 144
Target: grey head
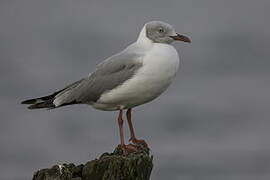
161, 32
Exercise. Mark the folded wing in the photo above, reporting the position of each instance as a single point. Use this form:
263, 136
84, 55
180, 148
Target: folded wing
109, 74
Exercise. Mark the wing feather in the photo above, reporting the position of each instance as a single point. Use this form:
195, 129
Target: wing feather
109, 74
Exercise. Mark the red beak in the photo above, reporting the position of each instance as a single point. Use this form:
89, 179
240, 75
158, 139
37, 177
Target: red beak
180, 37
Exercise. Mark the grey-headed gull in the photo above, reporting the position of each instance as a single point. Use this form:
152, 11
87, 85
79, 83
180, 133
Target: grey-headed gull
134, 76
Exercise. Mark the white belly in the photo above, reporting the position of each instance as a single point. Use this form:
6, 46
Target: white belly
159, 68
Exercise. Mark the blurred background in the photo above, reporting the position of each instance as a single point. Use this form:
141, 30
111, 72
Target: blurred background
212, 123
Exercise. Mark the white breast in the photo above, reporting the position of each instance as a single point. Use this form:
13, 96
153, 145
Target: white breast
160, 65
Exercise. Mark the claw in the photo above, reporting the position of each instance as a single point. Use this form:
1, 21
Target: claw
139, 142
130, 148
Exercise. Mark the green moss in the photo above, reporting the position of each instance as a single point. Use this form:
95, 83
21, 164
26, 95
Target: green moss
110, 166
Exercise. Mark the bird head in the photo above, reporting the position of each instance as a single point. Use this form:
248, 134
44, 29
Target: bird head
161, 32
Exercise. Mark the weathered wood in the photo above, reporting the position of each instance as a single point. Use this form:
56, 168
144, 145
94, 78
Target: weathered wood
110, 166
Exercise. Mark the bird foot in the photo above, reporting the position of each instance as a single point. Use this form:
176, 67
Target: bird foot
139, 142
130, 148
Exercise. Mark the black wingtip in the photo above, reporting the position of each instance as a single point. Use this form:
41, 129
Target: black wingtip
41, 105
32, 106
29, 101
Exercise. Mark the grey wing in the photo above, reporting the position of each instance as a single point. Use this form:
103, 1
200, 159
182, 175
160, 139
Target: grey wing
109, 74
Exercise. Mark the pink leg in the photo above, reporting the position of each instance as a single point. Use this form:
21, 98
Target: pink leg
132, 134
126, 148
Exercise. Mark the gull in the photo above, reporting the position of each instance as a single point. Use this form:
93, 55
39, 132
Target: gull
134, 76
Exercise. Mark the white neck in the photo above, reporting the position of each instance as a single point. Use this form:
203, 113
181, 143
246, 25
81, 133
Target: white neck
143, 39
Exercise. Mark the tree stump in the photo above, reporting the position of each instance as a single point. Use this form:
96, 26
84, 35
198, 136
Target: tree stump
109, 166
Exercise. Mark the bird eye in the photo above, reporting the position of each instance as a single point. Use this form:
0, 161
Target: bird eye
161, 30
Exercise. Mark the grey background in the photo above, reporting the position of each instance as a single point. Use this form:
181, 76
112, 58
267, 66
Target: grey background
212, 123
